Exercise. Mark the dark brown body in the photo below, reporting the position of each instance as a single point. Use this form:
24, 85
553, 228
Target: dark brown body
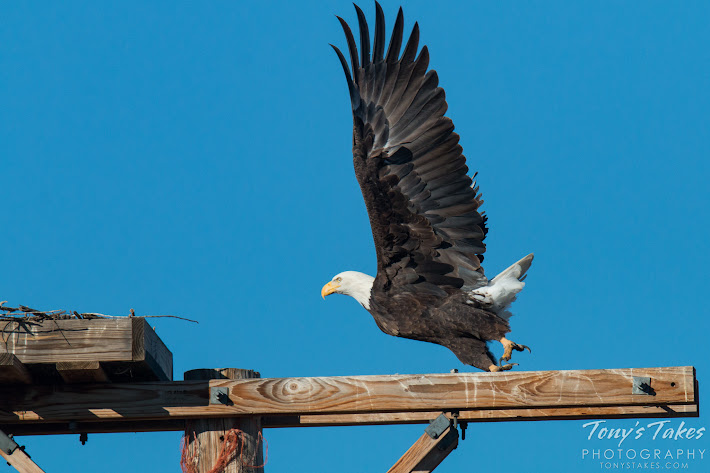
449, 321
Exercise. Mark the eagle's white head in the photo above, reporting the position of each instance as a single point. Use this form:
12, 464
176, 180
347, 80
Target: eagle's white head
351, 283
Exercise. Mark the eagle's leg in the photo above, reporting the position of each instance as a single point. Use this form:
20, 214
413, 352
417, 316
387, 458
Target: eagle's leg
494, 368
508, 347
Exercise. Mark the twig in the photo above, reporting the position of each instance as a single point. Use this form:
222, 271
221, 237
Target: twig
62, 332
173, 317
8, 309
96, 314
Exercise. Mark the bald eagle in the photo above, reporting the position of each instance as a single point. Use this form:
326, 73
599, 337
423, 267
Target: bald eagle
423, 207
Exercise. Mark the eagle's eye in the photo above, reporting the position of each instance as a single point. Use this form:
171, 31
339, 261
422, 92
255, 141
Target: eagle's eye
338, 279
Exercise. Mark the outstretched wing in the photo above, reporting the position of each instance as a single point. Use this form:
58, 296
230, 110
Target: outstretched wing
422, 205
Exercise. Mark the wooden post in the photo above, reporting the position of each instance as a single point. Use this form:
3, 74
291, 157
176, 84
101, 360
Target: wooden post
205, 437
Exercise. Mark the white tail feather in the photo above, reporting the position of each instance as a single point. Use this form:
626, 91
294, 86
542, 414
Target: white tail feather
502, 290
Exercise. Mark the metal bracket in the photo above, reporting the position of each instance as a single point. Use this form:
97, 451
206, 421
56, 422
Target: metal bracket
437, 426
219, 395
7, 444
642, 385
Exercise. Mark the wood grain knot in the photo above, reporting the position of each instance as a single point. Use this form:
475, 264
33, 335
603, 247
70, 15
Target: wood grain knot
298, 390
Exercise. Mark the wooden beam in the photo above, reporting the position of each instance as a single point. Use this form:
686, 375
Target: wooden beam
429, 451
360, 394
485, 415
12, 371
149, 349
388, 418
82, 372
55, 341
128, 347
376, 399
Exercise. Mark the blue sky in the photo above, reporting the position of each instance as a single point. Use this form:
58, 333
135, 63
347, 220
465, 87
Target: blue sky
194, 159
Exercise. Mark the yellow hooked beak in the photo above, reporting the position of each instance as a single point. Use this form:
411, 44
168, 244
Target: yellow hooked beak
328, 289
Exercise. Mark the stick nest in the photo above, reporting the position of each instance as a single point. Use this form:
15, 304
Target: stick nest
23, 313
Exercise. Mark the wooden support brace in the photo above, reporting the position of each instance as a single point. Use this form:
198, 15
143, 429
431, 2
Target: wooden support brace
12, 371
438, 440
16, 456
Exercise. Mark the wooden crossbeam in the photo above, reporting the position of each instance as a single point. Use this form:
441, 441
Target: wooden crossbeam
331, 420
361, 394
485, 415
353, 400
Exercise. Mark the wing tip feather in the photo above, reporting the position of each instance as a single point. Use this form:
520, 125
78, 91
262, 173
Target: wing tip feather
379, 47
364, 36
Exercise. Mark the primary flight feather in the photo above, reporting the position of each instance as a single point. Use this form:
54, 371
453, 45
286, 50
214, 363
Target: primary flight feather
423, 206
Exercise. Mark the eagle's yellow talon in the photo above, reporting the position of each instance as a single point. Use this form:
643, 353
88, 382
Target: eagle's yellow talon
508, 347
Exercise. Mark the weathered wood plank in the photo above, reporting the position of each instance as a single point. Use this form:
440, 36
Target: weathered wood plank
128, 347
426, 453
103, 425
82, 372
12, 371
55, 341
459, 391
485, 415
116, 401
150, 350
349, 395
